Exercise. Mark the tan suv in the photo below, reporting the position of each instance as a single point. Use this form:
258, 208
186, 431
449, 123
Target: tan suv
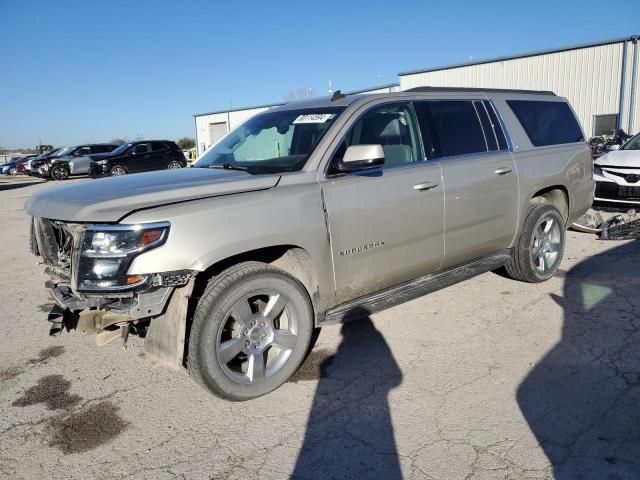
310, 214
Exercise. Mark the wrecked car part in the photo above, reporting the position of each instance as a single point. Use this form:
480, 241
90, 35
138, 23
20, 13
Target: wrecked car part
625, 226
165, 338
590, 222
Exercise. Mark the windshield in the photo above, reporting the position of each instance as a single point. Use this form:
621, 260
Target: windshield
272, 142
120, 149
633, 144
62, 151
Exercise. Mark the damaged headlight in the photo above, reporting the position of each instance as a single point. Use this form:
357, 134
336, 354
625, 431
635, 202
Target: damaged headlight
107, 252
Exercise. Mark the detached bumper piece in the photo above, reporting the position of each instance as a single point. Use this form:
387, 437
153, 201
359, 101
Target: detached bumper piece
621, 227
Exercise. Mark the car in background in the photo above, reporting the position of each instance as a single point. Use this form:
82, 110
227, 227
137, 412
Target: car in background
11, 168
70, 161
24, 166
617, 175
134, 157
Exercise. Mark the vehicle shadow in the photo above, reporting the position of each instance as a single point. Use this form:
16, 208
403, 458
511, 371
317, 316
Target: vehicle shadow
13, 186
582, 400
349, 432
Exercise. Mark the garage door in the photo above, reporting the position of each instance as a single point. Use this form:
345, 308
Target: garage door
216, 131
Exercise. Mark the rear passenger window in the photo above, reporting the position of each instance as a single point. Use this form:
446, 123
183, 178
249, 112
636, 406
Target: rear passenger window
452, 126
155, 146
547, 123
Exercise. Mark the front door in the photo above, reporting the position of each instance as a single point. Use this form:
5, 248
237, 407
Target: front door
385, 223
479, 176
140, 159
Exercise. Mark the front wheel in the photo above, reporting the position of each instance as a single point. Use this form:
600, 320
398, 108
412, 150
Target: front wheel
59, 173
117, 171
538, 251
13, 171
251, 331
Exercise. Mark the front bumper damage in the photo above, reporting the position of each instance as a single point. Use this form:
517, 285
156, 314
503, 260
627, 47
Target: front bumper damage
156, 311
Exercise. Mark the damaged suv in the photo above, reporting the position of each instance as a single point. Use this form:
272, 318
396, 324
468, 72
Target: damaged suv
310, 214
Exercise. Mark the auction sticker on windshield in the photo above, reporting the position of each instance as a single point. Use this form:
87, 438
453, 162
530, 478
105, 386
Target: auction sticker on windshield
314, 118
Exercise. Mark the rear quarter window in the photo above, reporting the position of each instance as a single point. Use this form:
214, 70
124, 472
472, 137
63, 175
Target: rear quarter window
547, 123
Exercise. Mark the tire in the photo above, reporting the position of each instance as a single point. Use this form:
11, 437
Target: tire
538, 251
173, 164
117, 171
59, 172
13, 171
239, 322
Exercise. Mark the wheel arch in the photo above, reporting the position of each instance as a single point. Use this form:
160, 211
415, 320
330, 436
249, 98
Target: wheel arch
556, 195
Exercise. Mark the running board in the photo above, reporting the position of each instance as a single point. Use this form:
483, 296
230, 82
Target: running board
392, 296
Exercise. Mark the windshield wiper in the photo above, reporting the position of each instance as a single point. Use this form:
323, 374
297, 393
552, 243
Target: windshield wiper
230, 166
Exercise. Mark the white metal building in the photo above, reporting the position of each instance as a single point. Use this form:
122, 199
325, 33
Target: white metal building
212, 126
601, 80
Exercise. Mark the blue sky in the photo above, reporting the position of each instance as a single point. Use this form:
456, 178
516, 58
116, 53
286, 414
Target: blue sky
78, 71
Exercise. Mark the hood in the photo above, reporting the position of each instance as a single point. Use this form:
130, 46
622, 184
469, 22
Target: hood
110, 199
620, 158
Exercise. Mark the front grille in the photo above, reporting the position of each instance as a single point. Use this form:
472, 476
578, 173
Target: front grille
607, 190
613, 191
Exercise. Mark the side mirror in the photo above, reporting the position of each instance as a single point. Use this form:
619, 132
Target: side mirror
614, 146
358, 157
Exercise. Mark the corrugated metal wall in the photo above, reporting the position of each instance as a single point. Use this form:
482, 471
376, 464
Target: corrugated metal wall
589, 77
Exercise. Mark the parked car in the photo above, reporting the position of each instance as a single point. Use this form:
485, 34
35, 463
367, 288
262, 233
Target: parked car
11, 168
134, 157
24, 167
311, 214
617, 175
71, 161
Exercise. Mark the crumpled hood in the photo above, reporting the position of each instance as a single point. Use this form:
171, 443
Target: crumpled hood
620, 158
110, 199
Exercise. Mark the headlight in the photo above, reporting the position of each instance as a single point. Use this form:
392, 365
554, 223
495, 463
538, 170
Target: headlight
107, 252
597, 170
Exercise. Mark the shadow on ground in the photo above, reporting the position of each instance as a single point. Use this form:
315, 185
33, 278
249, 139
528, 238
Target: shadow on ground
349, 432
13, 186
582, 401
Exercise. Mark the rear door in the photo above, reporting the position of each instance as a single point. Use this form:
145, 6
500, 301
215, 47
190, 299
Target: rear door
159, 158
385, 223
479, 176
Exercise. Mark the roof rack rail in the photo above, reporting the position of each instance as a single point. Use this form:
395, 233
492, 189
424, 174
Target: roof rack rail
464, 89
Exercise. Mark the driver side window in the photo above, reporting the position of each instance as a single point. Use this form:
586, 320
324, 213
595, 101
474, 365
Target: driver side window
393, 127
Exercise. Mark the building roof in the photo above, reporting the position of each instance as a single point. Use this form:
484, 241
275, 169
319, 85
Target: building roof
271, 105
633, 38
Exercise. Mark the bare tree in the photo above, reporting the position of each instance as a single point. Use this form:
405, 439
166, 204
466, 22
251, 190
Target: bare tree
299, 94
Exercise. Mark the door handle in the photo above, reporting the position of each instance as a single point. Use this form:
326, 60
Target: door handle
503, 171
425, 186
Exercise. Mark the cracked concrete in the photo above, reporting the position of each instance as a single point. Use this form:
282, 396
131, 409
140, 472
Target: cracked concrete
488, 379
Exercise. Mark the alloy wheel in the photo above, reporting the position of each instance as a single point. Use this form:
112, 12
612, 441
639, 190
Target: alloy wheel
173, 165
118, 171
546, 244
257, 337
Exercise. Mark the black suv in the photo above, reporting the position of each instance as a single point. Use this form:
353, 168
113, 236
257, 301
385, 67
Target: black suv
60, 165
134, 157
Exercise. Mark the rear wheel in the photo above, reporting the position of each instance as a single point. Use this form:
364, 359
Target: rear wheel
117, 171
251, 331
538, 252
173, 164
59, 172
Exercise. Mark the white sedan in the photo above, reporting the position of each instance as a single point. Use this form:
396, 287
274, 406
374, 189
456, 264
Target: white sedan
617, 174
